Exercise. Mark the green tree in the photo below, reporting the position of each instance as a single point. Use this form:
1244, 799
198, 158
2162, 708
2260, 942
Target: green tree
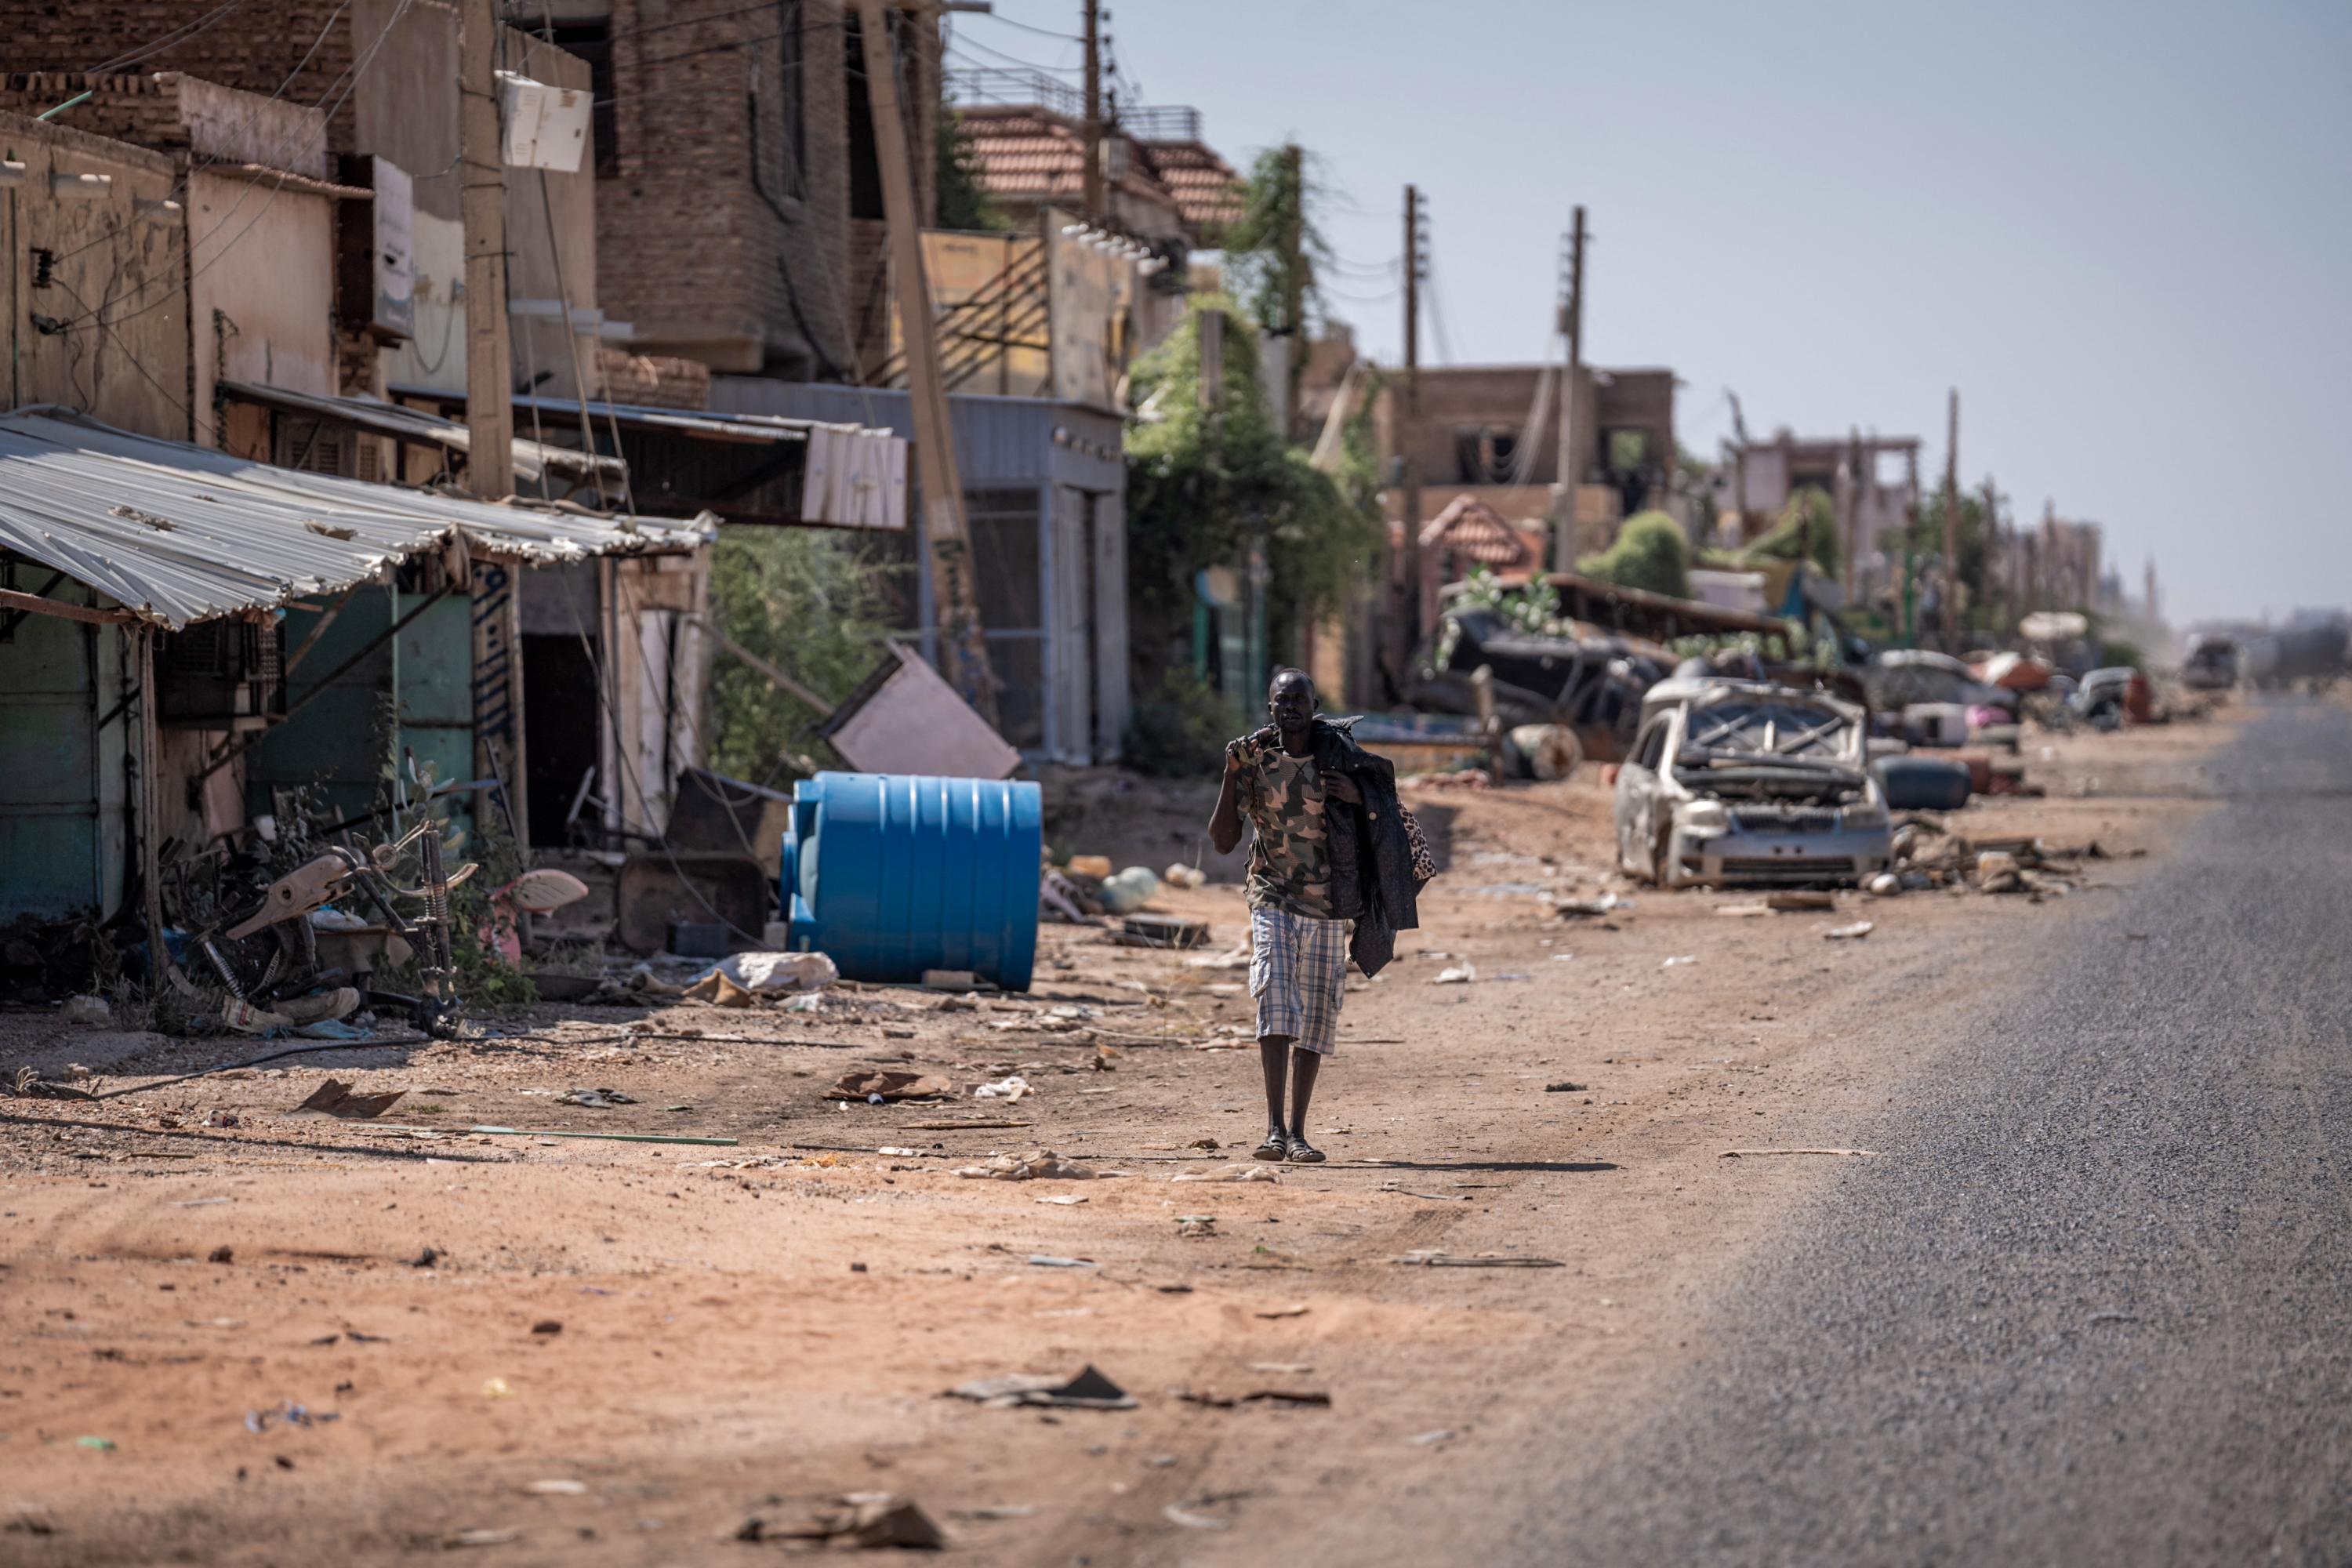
963, 201
1280, 199
1208, 484
806, 601
1807, 531
1650, 553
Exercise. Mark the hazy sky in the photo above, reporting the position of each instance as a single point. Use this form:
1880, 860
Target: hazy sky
2123, 231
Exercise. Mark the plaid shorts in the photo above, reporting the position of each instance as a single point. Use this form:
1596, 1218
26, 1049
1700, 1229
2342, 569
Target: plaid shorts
1298, 972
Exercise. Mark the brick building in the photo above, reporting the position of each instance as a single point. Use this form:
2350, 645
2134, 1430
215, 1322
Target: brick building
738, 213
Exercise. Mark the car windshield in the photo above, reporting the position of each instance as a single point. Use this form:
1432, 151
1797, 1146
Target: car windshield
1747, 731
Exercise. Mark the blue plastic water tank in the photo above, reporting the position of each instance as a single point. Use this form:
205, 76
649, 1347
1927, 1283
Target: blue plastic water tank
890, 875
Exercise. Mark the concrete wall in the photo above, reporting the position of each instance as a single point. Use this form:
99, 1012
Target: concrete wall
1458, 399
115, 342
262, 288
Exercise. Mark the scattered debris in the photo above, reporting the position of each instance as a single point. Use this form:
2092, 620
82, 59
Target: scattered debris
1232, 1174
1047, 1260
1795, 899
1853, 932
1009, 1090
875, 1086
1564, 1086
740, 979
222, 1255
558, 1488
1427, 1258
1175, 1514
1686, 958
1750, 1153
1066, 1199
287, 1415
496, 1388
1423, 1440
1294, 1311
1743, 911
1163, 930
465, 1538
595, 1098
1590, 908
102, 1445
547, 1326
878, 1520
1196, 1224
1036, 1165
991, 1512
1182, 876
1090, 1390
86, 1011
1461, 975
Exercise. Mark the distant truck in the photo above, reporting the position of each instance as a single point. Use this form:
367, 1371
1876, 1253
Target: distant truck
2313, 652
2211, 664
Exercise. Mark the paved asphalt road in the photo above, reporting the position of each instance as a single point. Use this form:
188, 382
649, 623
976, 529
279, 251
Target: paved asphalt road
2096, 1305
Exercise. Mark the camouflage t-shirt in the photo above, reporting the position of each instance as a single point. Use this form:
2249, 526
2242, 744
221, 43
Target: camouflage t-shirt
1290, 856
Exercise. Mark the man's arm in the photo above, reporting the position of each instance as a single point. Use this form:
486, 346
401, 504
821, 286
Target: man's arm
1225, 822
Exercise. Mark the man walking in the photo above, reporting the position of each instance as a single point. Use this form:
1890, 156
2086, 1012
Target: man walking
1332, 872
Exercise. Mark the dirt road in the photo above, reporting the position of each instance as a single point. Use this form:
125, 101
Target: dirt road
547, 1349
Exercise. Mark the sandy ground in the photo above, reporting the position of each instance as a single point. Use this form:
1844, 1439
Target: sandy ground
687, 1337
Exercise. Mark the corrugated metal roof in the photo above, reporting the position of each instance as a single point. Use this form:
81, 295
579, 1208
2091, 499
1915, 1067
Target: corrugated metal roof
531, 458
179, 533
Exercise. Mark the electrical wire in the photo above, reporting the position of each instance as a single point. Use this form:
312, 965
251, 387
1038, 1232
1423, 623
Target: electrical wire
179, 190
351, 80
170, 40
1015, 59
1033, 27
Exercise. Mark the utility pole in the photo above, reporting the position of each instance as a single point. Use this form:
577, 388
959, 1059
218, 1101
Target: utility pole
1093, 188
496, 610
1408, 503
1910, 532
1849, 522
1996, 558
1571, 331
1738, 466
1951, 594
481, 206
1294, 284
963, 654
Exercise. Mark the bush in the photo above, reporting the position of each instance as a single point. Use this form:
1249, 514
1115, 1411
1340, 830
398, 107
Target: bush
1807, 532
803, 600
1179, 727
1650, 553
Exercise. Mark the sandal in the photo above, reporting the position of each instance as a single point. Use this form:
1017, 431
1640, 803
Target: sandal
1275, 1147
1302, 1153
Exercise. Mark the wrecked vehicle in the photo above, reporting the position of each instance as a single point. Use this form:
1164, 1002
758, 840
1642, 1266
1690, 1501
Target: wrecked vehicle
2211, 664
1735, 782
1591, 684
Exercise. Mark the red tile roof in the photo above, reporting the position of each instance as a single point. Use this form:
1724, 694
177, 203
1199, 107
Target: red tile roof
1470, 529
1037, 154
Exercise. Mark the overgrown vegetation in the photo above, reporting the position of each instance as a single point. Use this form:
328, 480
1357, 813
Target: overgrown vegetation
1807, 532
1650, 553
806, 601
963, 202
1208, 485
1263, 269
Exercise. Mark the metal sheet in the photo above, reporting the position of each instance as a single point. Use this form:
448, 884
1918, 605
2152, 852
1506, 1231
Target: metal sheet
179, 533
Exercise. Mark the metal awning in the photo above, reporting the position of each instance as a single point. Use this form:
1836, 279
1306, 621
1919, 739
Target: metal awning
744, 468
532, 459
178, 533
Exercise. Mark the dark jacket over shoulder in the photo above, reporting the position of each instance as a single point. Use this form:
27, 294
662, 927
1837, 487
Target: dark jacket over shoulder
1372, 858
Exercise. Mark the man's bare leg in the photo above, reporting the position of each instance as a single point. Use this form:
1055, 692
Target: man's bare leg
1274, 1055
1304, 1065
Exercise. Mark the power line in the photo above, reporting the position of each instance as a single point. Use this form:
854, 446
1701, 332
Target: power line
176, 36
999, 54
1032, 27
198, 166
358, 68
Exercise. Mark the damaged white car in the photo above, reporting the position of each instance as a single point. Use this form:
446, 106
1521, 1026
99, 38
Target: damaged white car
1735, 782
